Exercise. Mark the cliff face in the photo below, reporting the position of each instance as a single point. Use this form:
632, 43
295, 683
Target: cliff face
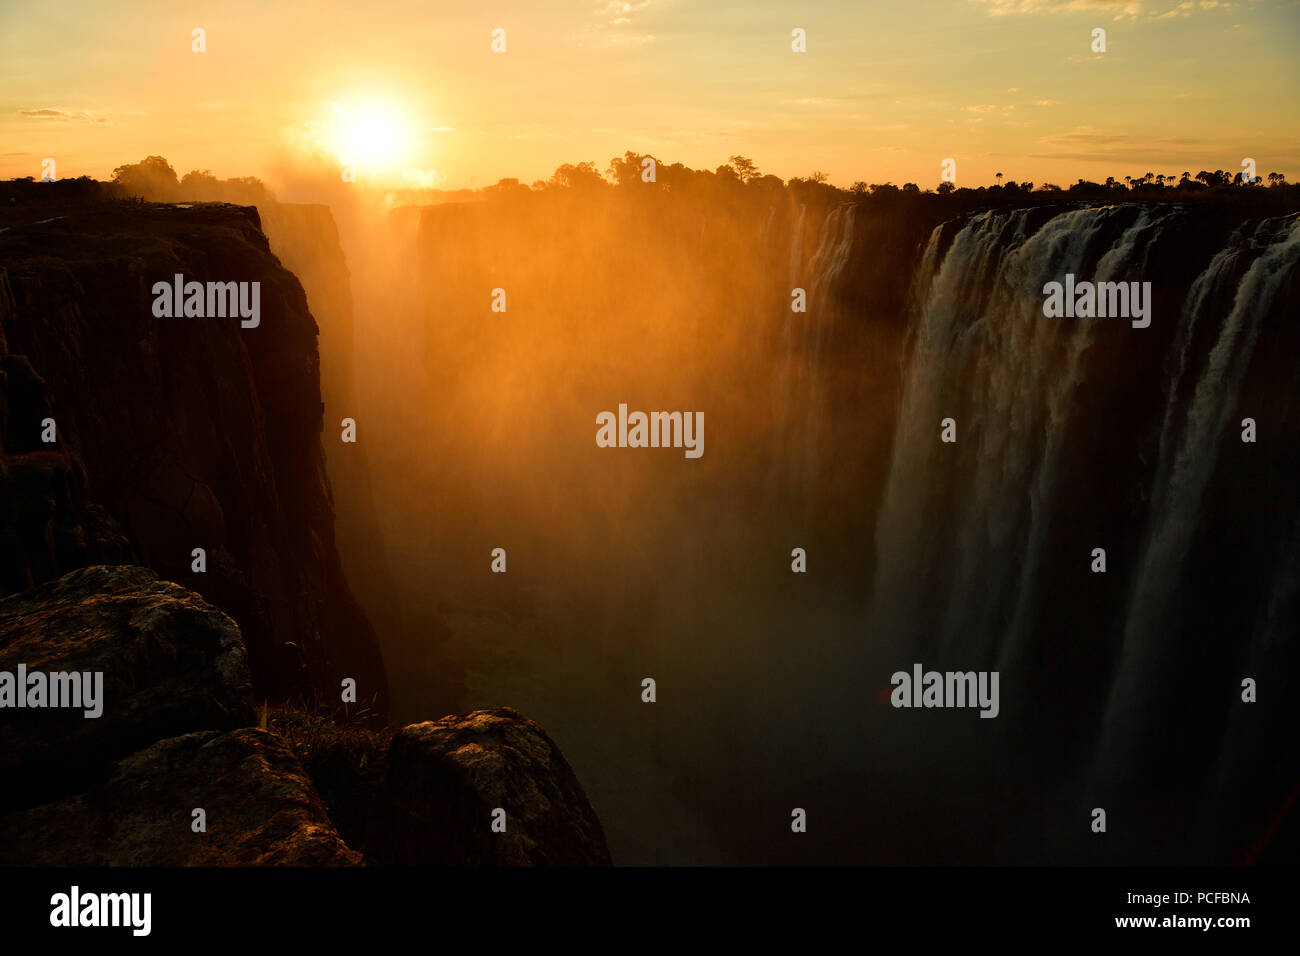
305, 238
173, 433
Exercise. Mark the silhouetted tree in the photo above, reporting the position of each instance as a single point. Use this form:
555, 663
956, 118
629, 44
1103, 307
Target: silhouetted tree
728, 174
199, 185
152, 178
745, 169
505, 189
627, 170
583, 176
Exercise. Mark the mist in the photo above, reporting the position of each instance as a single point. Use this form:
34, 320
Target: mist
824, 540
477, 431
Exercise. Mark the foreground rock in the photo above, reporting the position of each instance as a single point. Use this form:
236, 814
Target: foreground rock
260, 810
171, 664
445, 778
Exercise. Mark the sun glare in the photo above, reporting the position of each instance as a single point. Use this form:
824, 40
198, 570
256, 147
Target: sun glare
374, 136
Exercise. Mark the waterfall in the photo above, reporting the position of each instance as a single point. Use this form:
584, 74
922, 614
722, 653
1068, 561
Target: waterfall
969, 570
806, 343
962, 525
1190, 445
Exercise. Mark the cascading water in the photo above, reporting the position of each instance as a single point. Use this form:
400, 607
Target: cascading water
806, 341
966, 520
970, 572
1246, 276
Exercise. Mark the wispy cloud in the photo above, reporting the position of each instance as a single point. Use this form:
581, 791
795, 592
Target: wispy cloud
1117, 9
1089, 143
613, 17
1188, 7
620, 11
65, 116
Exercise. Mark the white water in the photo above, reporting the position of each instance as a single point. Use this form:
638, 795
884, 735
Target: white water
962, 530
806, 345
962, 525
1189, 452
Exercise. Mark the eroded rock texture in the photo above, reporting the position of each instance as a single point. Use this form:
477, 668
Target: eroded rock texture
171, 664
260, 808
444, 779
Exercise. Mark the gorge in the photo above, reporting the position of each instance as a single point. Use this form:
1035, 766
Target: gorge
1118, 689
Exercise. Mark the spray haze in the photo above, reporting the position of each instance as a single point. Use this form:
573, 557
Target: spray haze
903, 461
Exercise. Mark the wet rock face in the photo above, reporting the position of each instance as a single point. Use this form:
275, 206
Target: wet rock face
445, 778
173, 433
260, 810
171, 664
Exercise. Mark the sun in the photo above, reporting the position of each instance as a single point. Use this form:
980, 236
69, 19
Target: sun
372, 135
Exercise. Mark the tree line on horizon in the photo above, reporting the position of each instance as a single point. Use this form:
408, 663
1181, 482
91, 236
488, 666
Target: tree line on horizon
153, 178
626, 171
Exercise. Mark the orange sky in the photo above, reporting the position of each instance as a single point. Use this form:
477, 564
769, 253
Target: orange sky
884, 92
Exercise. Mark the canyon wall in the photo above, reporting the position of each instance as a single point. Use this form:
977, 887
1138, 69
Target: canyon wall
174, 433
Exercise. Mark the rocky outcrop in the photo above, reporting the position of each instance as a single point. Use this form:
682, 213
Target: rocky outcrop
168, 735
259, 809
172, 433
171, 664
171, 736
445, 778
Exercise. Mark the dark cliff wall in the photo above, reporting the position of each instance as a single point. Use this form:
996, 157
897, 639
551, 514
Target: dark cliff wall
305, 238
174, 434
